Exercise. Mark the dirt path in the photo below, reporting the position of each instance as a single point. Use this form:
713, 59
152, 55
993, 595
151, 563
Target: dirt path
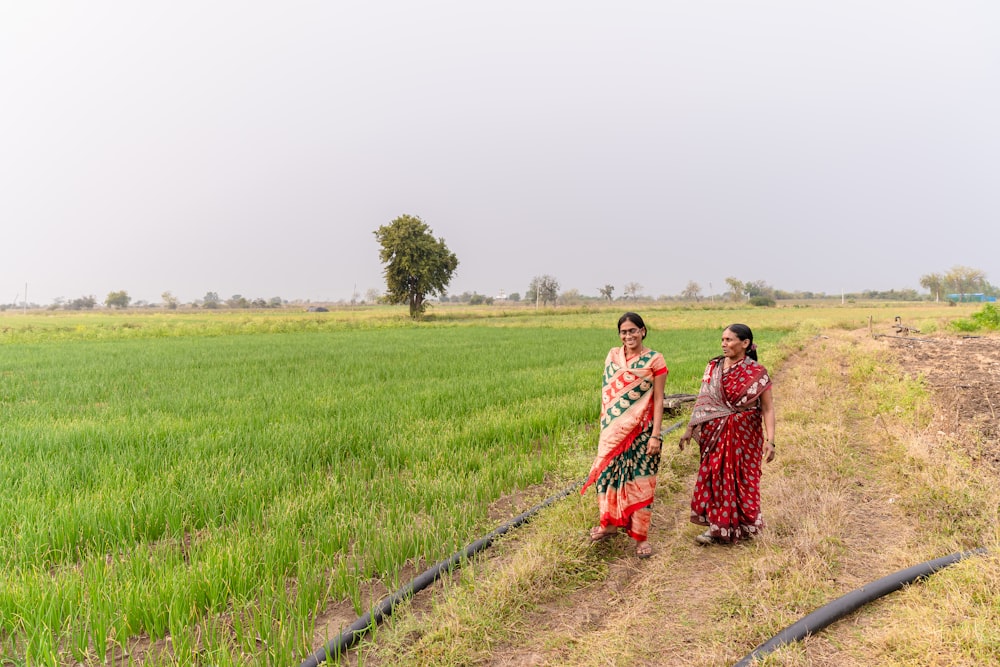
671, 604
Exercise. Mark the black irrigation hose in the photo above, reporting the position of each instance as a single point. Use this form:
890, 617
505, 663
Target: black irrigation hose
363, 624
352, 634
919, 340
846, 604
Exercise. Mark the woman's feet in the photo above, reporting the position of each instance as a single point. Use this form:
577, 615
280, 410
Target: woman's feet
599, 533
705, 538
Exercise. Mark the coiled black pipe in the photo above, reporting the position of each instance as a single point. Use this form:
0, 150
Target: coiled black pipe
363, 624
846, 604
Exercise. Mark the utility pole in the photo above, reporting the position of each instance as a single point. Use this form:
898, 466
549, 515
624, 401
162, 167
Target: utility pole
25, 310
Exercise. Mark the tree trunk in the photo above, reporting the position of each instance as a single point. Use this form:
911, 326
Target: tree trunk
416, 303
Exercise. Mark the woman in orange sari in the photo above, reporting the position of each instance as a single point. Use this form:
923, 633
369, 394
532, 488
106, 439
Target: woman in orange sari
733, 422
628, 452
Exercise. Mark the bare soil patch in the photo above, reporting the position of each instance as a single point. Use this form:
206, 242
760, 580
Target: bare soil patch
964, 373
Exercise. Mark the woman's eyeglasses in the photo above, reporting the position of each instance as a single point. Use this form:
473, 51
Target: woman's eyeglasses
628, 332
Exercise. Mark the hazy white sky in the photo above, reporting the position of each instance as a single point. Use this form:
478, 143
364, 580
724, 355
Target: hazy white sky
253, 147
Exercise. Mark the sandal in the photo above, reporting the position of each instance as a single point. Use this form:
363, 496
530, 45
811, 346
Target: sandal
643, 550
598, 533
705, 538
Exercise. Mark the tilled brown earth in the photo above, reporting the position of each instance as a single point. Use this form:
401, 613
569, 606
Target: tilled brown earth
964, 374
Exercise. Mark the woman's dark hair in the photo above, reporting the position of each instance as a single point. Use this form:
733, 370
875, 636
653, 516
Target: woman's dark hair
743, 332
635, 319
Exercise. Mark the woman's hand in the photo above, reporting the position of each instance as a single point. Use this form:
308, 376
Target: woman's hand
685, 438
654, 445
768, 451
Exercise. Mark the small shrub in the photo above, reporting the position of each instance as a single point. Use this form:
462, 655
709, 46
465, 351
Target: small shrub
987, 318
764, 301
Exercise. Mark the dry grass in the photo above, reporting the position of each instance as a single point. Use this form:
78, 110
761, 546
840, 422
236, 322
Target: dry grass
856, 493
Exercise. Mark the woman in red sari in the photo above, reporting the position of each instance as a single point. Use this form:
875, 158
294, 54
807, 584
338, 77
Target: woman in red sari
733, 422
628, 452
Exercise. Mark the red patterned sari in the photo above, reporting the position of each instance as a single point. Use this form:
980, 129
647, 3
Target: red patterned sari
624, 475
727, 493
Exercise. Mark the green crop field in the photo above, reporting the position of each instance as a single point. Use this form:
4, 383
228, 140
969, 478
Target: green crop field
218, 479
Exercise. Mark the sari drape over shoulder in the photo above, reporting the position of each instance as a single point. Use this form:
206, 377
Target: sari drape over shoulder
624, 475
727, 492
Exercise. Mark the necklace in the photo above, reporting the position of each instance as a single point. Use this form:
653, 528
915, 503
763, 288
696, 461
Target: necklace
630, 359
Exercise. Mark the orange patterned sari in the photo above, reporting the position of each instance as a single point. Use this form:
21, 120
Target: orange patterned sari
624, 475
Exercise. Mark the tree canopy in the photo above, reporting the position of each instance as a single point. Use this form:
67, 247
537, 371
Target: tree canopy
692, 292
933, 282
169, 300
416, 264
736, 288
632, 290
750, 289
965, 280
83, 303
119, 299
959, 280
211, 300
543, 290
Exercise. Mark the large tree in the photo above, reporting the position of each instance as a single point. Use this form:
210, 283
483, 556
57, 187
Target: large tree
736, 288
543, 290
934, 282
237, 301
211, 300
169, 300
607, 291
758, 288
83, 303
963, 280
416, 264
692, 292
119, 299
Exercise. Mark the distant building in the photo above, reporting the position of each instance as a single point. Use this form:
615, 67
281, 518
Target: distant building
979, 297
